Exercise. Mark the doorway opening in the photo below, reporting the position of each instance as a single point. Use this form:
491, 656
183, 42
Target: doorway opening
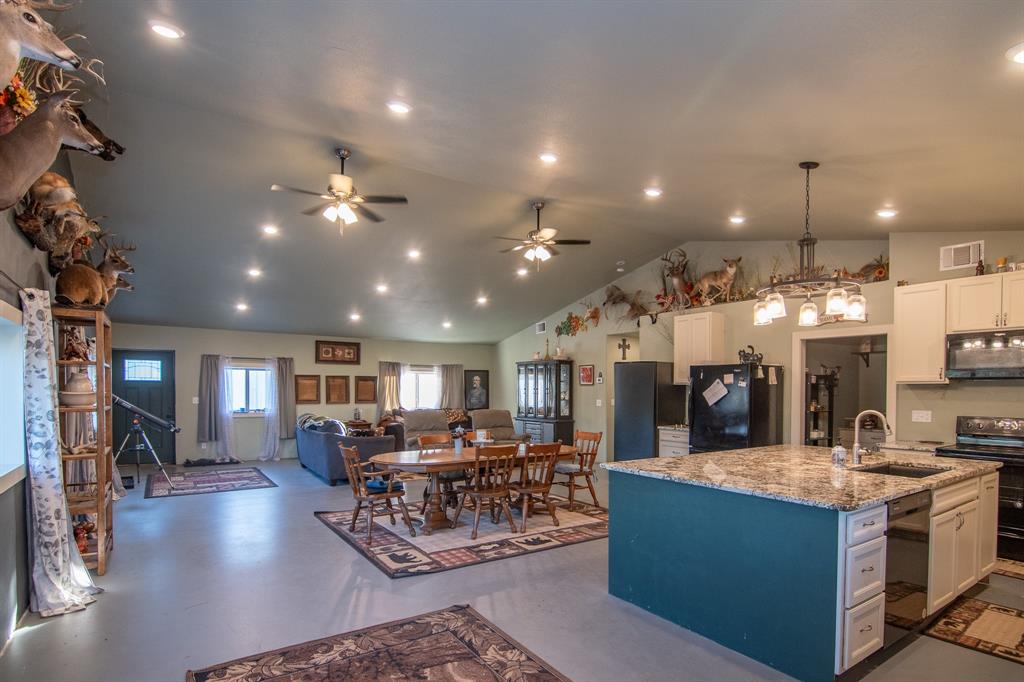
840, 373
144, 378
619, 348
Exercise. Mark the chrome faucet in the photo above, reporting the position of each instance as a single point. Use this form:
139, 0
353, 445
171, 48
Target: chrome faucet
856, 431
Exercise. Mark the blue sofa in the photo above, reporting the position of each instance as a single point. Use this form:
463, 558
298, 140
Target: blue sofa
319, 451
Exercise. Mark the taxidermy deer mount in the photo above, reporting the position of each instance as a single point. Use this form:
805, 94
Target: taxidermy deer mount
23, 33
28, 150
81, 284
721, 280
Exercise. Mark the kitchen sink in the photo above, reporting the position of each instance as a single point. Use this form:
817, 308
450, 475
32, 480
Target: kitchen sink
904, 470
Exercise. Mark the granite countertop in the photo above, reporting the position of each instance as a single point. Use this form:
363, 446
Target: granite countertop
802, 474
911, 445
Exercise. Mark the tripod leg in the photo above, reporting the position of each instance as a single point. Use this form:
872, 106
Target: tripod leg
121, 448
160, 465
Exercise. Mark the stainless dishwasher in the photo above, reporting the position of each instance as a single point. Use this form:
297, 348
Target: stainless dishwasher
906, 565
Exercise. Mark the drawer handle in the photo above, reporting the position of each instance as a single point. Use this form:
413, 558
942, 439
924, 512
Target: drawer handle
867, 570
866, 628
990, 487
868, 523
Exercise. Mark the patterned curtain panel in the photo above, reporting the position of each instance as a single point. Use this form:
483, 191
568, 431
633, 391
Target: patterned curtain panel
453, 381
60, 581
286, 397
388, 380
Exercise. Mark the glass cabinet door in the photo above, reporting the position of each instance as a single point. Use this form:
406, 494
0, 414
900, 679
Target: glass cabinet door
541, 391
521, 383
564, 387
531, 391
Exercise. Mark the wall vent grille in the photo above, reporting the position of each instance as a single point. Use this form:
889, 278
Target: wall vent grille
541, 328
957, 256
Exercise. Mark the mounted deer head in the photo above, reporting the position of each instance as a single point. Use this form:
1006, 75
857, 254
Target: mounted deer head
28, 150
23, 33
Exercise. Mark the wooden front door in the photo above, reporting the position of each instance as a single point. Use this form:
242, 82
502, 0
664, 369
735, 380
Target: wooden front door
145, 378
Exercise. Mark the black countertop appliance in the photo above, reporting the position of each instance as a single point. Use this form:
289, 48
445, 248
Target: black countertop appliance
735, 406
645, 398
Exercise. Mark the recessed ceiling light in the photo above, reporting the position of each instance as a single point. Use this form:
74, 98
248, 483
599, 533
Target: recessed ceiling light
241, 307
414, 254
355, 317
886, 212
737, 219
446, 324
271, 230
165, 30
399, 107
653, 192
255, 272
548, 158
382, 288
482, 300
522, 272
1016, 53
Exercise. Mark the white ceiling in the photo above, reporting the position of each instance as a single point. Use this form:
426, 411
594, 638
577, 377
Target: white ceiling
911, 103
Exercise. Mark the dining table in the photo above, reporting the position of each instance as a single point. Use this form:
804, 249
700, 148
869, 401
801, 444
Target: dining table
432, 462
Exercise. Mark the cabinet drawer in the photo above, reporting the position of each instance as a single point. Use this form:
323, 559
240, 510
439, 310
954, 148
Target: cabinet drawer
670, 450
863, 629
954, 495
865, 525
865, 571
674, 437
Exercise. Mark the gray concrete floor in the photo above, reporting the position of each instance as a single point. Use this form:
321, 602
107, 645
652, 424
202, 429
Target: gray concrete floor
199, 580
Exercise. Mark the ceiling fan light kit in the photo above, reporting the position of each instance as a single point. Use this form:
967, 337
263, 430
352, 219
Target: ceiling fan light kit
843, 298
540, 242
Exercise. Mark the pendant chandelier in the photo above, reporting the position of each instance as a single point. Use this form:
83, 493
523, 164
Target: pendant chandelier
843, 298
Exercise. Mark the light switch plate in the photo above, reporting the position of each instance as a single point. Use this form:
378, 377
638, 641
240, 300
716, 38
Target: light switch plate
921, 416
599, 402
195, 400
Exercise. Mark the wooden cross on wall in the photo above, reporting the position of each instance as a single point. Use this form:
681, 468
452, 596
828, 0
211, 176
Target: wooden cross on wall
624, 346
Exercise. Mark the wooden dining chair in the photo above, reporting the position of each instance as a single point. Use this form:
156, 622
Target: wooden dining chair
375, 489
538, 470
587, 443
494, 466
448, 479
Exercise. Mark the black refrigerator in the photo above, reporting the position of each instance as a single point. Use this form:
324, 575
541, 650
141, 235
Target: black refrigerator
735, 406
645, 398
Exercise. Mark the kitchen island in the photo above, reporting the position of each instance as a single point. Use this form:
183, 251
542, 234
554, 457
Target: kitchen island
774, 552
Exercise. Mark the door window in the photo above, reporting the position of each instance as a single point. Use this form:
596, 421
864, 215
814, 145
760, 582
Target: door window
143, 370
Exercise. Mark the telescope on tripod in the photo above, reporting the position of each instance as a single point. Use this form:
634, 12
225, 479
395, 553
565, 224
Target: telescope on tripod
139, 437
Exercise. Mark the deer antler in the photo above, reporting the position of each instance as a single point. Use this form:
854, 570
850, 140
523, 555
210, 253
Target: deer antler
123, 247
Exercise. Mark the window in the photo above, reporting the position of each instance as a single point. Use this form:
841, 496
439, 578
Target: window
142, 370
248, 389
420, 388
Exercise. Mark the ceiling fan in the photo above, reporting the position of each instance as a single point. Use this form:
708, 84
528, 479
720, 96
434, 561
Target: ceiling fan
540, 243
342, 203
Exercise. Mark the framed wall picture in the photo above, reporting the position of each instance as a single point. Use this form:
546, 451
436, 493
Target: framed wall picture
478, 389
586, 375
338, 352
337, 390
366, 389
307, 388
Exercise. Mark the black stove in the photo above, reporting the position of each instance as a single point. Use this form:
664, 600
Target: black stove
997, 439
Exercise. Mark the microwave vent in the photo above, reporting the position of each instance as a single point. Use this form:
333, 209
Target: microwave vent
957, 256
540, 328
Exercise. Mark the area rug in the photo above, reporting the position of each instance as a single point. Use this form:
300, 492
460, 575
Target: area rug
456, 644
1009, 567
904, 604
212, 481
399, 555
985, 627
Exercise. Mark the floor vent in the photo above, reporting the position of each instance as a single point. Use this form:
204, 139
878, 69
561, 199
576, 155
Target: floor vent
956, 256
541, 328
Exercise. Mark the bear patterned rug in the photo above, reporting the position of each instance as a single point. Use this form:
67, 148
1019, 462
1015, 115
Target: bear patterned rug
394, 551
1010, 568
985, 627
456, 644
208, 481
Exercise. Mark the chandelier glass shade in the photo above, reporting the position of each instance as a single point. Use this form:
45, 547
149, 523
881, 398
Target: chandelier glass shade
843, 298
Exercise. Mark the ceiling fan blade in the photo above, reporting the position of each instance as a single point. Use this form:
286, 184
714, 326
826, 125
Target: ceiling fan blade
569, 241
381, 199
546, 233
370, 215
513, 248
511, 239
286, 188
313, 210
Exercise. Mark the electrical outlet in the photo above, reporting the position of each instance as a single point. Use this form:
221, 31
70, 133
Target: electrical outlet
599, 402
612, 403
195, 400
202, 446
921, 416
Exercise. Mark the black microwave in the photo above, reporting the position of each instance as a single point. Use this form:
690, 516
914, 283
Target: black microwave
985, 355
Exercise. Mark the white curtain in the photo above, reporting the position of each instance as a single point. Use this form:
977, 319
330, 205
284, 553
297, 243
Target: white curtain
271, 417
225, 417
60, 582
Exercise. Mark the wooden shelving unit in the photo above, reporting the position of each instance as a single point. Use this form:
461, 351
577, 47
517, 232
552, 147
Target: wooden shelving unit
95, 497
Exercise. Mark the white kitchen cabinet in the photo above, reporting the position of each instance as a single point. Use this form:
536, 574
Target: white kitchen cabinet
985, 303
699, 340
988, 513
673, 442
952, 554
917, 352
